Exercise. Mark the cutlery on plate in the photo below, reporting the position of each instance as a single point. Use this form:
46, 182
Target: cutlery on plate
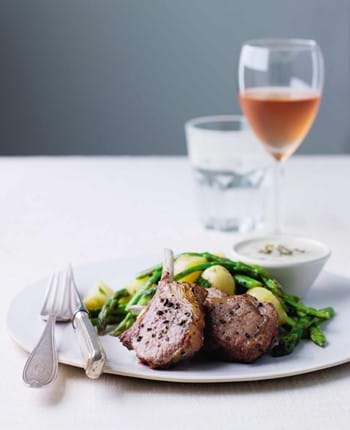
42, 364
90, 345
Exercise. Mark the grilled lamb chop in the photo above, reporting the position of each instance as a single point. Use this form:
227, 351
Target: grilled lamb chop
213, 294
239, 328
171, 328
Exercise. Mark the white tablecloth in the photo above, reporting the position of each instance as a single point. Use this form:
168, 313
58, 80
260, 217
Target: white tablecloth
54, 210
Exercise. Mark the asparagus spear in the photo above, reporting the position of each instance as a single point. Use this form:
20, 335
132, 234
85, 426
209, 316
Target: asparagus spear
109, 308
153, 280
299, 306
236, 266
93, 313
317, 335
305, 324
246, 282
130, 317
198, 267
203, 283
273, 286
288, 342
126, 323
113, 320
149, 271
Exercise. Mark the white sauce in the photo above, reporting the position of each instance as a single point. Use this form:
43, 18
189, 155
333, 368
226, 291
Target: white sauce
301, 249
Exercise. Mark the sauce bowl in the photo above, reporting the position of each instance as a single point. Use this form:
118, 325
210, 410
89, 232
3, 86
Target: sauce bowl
294, 261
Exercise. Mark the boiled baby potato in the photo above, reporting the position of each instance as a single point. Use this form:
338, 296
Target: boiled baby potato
219, 277
185, 262
265, 296
97, 297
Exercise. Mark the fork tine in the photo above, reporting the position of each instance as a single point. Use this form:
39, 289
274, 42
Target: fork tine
47, 295
60, 296
65, 298
72, 304
54, 308
51, 291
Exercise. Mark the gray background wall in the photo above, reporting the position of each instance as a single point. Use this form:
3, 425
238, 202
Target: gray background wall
122, 76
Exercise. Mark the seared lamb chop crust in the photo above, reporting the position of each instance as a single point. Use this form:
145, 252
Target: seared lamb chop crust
171, 328
239, 328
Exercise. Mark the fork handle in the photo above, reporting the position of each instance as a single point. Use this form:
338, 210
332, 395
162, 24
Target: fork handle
90, 345
42, 365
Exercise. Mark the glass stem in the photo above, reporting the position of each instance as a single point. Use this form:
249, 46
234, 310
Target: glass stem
277, 197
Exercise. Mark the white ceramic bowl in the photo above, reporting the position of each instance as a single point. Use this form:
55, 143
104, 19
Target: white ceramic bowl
296, 274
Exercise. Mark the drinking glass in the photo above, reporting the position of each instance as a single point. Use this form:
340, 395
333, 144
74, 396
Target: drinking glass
230, 169
280, 87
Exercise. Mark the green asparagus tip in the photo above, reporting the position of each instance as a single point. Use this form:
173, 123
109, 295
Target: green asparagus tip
317, 335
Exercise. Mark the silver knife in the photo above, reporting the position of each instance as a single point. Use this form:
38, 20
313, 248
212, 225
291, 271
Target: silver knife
89, 342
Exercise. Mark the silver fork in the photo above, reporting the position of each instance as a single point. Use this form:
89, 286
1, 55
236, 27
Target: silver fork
42, 364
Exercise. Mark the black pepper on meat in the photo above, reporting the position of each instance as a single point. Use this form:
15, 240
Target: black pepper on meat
176, 315
239, 328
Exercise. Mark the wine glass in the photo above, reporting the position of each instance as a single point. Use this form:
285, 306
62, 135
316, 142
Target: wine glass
280, 87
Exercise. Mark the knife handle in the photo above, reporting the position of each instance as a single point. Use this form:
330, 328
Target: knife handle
90, 345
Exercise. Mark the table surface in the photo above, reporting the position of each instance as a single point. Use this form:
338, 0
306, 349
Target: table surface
55, 210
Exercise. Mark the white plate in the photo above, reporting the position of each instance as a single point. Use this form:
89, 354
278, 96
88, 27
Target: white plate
25, 327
